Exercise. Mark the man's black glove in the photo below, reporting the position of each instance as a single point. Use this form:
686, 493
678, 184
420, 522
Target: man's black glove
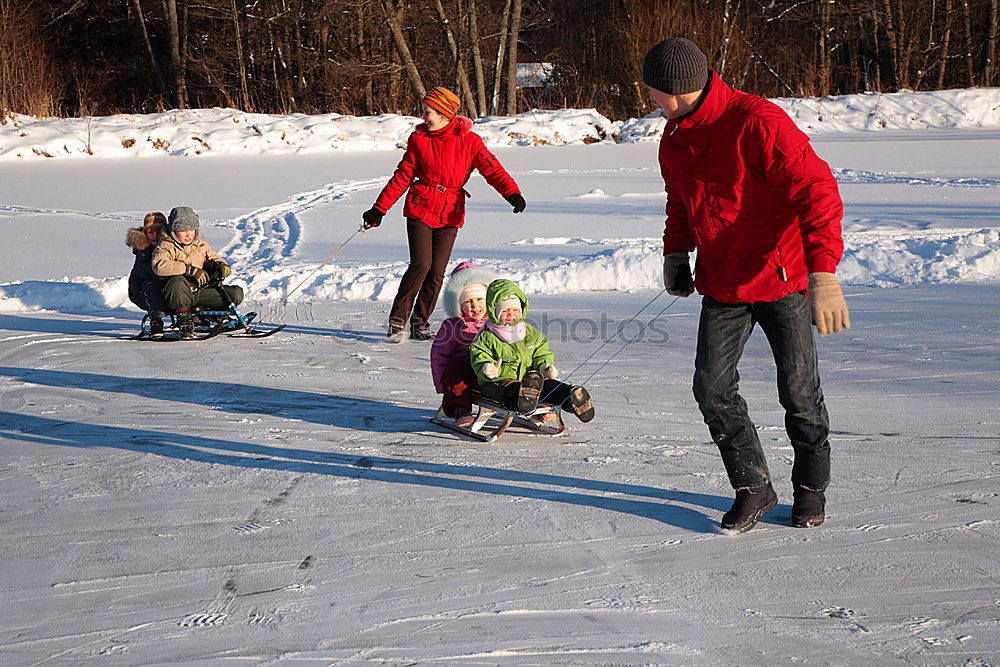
517, 201
372, 217
219, 271
677, 274
196, 275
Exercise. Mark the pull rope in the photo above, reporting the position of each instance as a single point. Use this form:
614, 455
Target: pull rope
624, 345
630, 340
275, 308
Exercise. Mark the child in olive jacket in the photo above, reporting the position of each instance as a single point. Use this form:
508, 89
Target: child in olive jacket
513, 362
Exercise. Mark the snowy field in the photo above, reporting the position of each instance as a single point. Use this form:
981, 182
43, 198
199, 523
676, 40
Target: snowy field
286, 501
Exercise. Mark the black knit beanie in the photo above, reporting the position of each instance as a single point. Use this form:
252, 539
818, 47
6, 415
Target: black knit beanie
675, 66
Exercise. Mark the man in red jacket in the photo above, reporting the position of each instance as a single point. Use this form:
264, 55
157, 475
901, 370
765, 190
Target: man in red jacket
746, 190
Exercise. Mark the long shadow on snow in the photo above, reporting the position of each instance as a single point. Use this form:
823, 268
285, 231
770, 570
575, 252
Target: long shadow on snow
42, 430
115, 328
105, 329
361, 414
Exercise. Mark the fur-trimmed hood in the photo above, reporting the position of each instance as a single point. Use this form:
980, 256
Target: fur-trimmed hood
463, 275
136, 239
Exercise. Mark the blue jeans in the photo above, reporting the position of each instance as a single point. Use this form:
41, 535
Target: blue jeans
723, 331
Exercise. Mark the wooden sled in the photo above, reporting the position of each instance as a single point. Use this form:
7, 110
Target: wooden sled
492, 419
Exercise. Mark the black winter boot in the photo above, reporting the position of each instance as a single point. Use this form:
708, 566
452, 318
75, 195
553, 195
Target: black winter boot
750, 505
530, 391
395, 333
579, 404
424, 334
185, 325
155, 327
808, 507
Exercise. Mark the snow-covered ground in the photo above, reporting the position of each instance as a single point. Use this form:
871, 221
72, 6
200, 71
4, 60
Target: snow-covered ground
285, 499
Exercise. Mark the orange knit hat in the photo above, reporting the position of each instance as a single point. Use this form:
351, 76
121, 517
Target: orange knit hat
443, 101
152, 221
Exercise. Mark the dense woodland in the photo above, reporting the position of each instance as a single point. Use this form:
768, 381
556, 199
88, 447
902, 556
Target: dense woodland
364, 57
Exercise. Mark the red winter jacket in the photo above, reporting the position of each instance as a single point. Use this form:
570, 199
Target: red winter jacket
746, 189
435, 168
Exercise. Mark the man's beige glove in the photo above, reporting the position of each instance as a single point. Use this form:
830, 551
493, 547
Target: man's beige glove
829, 310
677, 274
490, 370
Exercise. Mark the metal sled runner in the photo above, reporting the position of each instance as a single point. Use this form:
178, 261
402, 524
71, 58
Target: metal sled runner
213, 323
492, 419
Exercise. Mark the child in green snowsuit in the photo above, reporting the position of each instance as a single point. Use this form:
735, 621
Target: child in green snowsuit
513, 362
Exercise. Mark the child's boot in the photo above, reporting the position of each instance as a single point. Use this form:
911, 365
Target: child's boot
465, 420
185, 324
530, 391
579, 404
155, 327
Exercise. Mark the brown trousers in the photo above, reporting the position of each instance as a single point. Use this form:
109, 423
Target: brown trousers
430, 250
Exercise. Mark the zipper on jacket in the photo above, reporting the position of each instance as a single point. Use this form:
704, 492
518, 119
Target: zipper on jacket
782, 274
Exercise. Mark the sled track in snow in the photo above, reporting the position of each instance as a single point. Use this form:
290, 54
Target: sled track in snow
272, 233
860, 176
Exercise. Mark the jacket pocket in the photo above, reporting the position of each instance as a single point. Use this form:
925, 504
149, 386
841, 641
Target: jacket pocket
425, 202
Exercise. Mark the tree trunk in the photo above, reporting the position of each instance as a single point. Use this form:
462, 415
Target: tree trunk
501, 51
825, 67
945, 45
364, 51
403, 50
161, 84
174, 39
477, 61
894, 45
515, 28
970, 65
463, 79
244, 91
724, 47
991, 45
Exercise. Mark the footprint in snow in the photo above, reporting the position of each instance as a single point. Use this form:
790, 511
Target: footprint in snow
839, 612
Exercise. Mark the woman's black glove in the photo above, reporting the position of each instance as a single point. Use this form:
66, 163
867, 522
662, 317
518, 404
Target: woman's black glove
372, 217
517, 201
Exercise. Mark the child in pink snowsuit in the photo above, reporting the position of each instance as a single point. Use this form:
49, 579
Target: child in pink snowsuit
465, 305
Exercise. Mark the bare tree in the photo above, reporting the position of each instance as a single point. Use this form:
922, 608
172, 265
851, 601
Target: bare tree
501, 52
463, 79
515, 27
241, 61
969, 63
175, 38
412, 73
161, 84
991, 43
945, 45
477, 60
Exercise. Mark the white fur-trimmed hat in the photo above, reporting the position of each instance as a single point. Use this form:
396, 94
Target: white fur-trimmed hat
462, 276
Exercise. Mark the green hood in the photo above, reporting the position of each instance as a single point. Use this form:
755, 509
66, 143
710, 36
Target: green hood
497, 290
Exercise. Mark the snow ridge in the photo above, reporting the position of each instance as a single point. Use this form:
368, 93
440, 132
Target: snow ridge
203, 132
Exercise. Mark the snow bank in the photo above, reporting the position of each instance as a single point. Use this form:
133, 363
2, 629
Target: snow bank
963, 108
232, 132
872, 258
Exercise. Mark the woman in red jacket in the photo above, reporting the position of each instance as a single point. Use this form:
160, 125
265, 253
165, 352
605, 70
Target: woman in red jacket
440, 156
